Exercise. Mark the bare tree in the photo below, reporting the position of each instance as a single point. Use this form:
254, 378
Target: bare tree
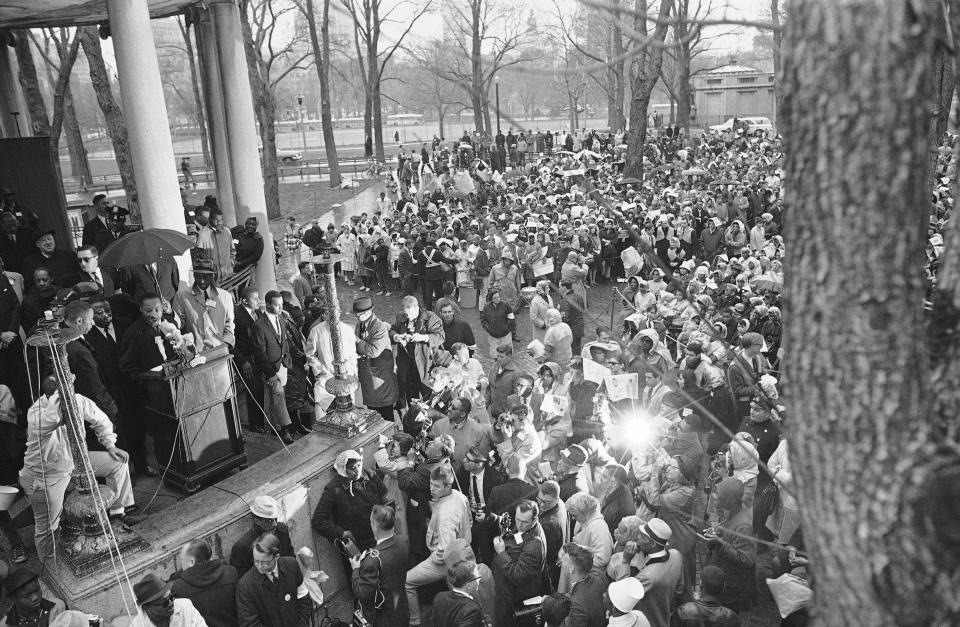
272, 53
30, 83
647, 60
480, 24
429, 89
59, 50
112, 114
369, 17
321, 60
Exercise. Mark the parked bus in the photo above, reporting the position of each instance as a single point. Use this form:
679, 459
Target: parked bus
405, 119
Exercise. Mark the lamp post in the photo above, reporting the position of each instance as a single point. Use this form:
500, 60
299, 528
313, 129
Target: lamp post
303, 130
496, 82
343, 418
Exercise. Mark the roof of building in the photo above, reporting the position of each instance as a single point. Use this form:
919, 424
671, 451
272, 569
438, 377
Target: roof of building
38, 13
733, 68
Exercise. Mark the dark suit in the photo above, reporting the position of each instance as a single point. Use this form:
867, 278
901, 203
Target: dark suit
271, 350
388, 574
90, 380
451, 609
130, 426
138, 354
140, 280
586, 602
265, 603
483, 531
243, 354
91, 229
13, 372
15, 252
108, 285
103, 239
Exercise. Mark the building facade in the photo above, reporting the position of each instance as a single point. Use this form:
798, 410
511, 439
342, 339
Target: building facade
733, 90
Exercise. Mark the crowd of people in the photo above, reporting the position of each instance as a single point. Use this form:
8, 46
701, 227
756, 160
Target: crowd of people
595, 473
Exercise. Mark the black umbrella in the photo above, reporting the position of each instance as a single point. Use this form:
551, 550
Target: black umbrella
145, 247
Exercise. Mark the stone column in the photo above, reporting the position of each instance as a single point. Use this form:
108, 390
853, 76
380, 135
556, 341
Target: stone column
216, 116
242, 133
148, 130
11, 97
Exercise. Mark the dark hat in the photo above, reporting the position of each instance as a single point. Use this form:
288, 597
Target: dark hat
204, 266
64, 296
117, 211
38, 233
150, 588
86, 290
18, 579
575, 455
364, 303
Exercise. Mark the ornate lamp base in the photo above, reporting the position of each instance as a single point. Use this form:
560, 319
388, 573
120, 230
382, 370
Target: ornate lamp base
82, 544
343, 418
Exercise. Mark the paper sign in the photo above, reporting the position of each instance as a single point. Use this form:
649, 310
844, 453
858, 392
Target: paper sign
542, 267
554, 404
622, 386
546, 469
592, 371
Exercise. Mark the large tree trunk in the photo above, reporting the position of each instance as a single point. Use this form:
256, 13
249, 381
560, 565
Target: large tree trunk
943, 77
683, 78
619, 84
79, 164
30, 82
777, 56
112, 115
440, 115
60, 90
321, 54
477, 93
197, 98
864, 448
645, 76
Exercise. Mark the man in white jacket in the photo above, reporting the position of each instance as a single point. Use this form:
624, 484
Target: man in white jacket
48, 464
451, 519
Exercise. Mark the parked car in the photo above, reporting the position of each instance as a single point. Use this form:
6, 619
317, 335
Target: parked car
284, 155
757, 126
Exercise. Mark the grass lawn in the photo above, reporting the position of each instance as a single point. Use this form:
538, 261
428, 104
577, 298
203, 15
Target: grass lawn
308, 200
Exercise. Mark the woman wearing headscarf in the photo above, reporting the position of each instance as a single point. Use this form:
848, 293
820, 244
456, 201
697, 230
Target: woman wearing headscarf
347, 243
590, 531
627, 530
551, 419
541, 303
505, 276
574, 271
558, 340
735, 238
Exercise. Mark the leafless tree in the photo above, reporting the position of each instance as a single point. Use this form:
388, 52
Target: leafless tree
321, 60
273, 52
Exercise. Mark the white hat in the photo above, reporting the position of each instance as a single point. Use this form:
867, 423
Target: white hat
657, 530
625, 594
265, 507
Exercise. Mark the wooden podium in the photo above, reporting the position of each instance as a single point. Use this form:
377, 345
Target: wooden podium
198, 435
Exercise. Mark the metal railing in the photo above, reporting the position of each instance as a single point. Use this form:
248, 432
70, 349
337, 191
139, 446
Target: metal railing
286, 169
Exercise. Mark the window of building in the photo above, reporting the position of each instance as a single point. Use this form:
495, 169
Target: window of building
714, 81
747, 79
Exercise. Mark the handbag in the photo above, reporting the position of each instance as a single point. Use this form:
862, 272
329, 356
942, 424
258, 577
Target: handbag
767, 500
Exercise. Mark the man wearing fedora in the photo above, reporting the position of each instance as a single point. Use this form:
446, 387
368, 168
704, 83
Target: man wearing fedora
60, 263
662, 571
205, 309
375, 365
29, 606
160, 608
265, 511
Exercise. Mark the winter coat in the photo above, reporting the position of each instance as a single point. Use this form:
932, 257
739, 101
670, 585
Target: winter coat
345, 506
212, 588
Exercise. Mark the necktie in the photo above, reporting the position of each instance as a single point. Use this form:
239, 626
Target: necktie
476, 490
97, 278
110, 334
271, 577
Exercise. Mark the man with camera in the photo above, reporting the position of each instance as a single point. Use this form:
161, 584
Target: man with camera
380, 573
519, 564
515, 436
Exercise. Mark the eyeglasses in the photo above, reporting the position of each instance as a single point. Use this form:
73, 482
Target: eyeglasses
163, 601
614, 363
85, 259
265, 562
